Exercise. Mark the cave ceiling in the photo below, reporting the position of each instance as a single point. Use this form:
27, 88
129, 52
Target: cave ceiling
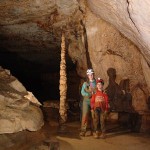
32, 29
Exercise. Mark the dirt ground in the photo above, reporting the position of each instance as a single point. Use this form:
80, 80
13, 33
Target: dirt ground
52, 137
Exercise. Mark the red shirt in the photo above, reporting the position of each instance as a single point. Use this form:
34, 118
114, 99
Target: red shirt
99, 100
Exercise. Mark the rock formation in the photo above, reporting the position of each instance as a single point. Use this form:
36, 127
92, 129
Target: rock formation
63, 83
130, 17
16, 111
110, 36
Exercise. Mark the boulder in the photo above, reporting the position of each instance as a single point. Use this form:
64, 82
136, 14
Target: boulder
17, 113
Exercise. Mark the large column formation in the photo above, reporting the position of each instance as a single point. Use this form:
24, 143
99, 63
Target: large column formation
63, 83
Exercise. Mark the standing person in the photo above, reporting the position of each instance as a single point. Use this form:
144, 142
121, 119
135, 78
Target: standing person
99, 109
87, 90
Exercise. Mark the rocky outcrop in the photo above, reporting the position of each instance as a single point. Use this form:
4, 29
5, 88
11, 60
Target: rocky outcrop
118, 61
17, 113
130, 17
31, 28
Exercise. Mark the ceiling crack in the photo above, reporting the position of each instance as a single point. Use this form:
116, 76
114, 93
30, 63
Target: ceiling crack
130, 16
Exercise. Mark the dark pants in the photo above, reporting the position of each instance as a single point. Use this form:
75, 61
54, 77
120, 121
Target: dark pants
99, 119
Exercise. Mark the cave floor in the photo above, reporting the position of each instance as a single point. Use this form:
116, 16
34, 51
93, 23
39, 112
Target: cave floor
51, 137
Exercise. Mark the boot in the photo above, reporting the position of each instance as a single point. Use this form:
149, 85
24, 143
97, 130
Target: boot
88, 133
103, 135
96, 135
82, 133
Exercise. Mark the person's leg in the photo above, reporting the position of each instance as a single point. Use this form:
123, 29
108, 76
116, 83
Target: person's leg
102, 123
84, 117
81, 107
89, 127
96, 122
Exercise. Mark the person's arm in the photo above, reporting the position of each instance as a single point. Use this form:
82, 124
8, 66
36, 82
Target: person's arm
84, 91
107, 102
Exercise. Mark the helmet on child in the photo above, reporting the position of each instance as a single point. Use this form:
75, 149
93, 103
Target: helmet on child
99, 80
89, 72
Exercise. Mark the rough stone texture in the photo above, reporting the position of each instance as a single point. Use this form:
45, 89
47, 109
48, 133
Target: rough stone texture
78, 52
129, 17
32, 28
132, 19
32, 98
16, 112
118, 62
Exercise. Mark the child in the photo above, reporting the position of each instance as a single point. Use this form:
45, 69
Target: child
99, 108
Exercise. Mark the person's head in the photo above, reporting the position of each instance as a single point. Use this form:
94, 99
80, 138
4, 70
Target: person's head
90, 74
100, 84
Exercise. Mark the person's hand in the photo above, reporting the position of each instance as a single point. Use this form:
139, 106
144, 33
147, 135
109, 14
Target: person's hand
88, 89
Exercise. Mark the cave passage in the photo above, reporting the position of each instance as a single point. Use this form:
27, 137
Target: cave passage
39, 72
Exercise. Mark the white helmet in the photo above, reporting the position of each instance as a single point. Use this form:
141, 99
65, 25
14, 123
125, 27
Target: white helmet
89, 71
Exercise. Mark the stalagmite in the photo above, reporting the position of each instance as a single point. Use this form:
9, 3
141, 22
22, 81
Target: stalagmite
63, 83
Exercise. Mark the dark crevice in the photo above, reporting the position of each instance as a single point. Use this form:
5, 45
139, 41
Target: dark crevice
130, 16
89, 64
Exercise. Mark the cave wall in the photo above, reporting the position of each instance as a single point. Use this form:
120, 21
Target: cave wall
130, 17
119, 62
108, 48
110, 52
36, 27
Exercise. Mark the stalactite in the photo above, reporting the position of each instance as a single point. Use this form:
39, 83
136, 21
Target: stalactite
63, 83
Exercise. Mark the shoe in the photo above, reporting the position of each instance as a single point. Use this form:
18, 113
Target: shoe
103, 136
96, 135
88, 133
82, 133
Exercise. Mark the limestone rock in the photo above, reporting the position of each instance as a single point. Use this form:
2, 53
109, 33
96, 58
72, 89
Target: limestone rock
118, 62
36, 26
130, 17
17, 86
32, 98
16, 112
